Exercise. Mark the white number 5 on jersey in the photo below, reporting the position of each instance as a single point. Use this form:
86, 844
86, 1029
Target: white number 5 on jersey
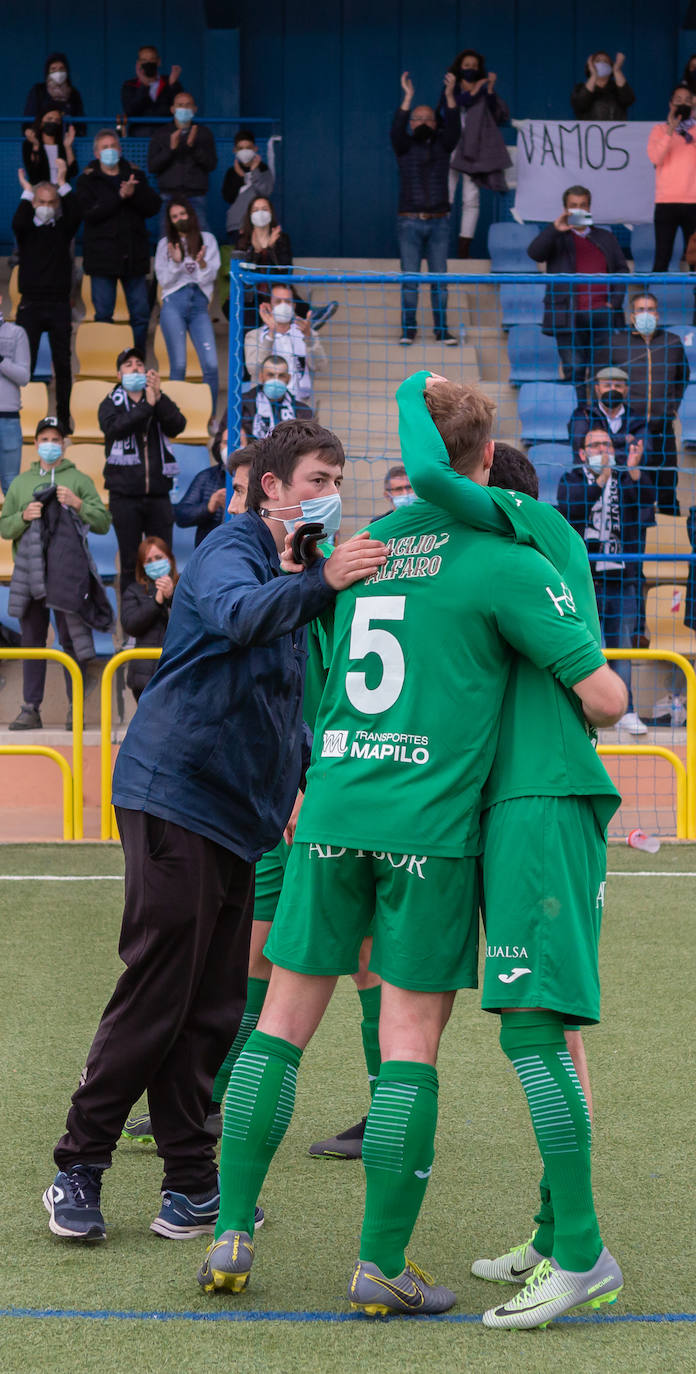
364, 641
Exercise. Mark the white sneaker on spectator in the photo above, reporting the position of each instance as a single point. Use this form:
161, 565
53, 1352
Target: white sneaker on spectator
632, 723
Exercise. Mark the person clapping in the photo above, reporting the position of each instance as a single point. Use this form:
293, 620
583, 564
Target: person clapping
605, 93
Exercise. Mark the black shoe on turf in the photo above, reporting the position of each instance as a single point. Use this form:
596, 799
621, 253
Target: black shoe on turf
139, 1128
345, 1145
73, 1202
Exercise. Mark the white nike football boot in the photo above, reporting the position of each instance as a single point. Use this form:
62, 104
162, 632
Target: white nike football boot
513, 1267
550, 1291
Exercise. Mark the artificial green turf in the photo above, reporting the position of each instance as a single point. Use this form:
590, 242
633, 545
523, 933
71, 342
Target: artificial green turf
58, 968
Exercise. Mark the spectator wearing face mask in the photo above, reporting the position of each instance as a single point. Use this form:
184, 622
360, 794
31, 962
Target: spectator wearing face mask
182, 155
480, 157
672, 150
423, 152
55, 92
44, 226
658, 374
39, 583
186, 265
398, 491
263, 243
605, 93
149, 93
609, 409
579, 318
602, 502
265, 405
116, 202
203, 503
248, 178
286, 335
46, 145
136, 419
145, 607
15, 372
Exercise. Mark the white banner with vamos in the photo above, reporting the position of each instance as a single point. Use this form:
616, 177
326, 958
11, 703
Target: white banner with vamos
610, 159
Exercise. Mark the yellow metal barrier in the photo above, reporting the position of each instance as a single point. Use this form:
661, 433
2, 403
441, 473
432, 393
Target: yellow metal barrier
687, 668
78, 703
109, 830
635, 751
68, 789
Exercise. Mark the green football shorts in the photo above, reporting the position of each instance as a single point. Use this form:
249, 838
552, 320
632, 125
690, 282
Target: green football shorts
270, 871
424, 909
544, 871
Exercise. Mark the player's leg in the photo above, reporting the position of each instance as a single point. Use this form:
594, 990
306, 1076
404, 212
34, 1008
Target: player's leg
348, 1144
419, 983
332, 891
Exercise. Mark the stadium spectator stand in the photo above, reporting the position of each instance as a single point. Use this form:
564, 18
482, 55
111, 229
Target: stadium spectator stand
507, 246
533, 356
550, 461
544, 409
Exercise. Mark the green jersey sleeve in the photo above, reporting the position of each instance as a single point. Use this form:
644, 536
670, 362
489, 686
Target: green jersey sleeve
535, 612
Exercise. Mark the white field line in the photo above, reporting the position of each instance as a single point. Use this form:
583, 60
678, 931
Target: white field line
118, 877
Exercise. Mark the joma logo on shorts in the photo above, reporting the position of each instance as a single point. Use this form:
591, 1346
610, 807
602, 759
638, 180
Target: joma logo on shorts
334, 744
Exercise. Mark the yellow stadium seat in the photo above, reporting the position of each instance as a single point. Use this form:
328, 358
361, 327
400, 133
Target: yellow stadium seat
194, 372
193, 400
97, 347
6, 560
668, 535
13, 293
120, 316
85, 401
89, 458
664, 613
34, 407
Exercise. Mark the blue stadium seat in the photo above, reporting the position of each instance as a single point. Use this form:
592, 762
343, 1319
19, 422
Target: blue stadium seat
183, 543
533, 355
192, 458
521, 303
676, 303
544, 409
507, 247
550, 461
687, 334
104, 548
7, 620
103, 640
43, 372
643, 248
687, 416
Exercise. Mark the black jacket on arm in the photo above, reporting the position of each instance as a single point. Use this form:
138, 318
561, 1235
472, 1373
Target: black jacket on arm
115, 238
45, 261
143, 428
557, 249
146, 620
184, 170
424, 167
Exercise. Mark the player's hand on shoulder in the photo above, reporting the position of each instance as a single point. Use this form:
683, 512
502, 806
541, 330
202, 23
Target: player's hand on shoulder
355, 560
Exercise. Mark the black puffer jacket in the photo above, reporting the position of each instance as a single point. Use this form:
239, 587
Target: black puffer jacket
424, 167
146, 620
115, 236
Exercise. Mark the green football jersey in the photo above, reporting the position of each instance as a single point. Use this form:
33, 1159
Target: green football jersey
421, 653
545, 747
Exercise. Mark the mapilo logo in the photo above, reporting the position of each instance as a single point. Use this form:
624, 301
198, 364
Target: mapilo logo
334, 744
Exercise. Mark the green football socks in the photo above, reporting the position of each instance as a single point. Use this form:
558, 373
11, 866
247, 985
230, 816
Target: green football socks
535, 1043
398, 1152
370, 999
256, 996
258, 1107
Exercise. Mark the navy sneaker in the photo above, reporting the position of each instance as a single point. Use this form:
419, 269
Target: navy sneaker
323, 314
180, 1218
73, 1203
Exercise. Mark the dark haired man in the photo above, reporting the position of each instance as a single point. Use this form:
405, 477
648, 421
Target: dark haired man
548, 798
380, 838
204, 783
580, 318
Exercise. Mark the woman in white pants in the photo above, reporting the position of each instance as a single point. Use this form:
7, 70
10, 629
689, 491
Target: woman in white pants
480, 154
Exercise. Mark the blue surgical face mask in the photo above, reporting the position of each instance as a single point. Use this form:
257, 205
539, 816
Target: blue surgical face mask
603, 69
275, 389
50, 452
646, 322
160, 567
134, 381
183, 115
109, 157
599, 458
325, 510
403, 498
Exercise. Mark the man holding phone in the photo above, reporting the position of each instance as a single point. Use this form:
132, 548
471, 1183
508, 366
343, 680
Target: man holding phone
582, 318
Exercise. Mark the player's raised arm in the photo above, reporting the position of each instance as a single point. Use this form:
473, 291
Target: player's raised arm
604, 697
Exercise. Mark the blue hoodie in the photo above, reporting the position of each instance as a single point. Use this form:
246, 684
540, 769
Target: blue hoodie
217, 743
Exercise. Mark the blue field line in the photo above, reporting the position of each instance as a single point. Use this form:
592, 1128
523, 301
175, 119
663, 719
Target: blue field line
307, 1318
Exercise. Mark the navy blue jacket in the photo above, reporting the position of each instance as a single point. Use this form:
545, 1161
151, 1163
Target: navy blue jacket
577, 494
192, 509
424, 167
217, 743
